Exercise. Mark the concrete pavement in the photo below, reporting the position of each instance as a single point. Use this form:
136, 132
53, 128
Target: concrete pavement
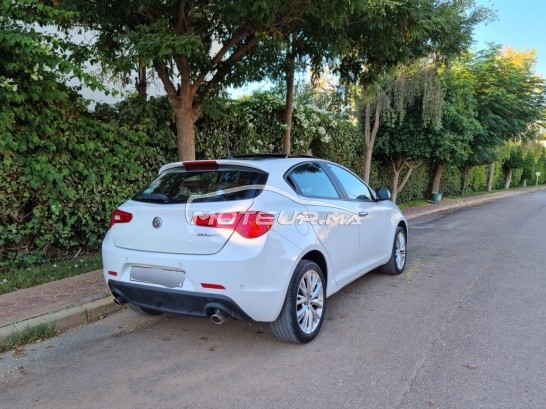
79, 300
62, 304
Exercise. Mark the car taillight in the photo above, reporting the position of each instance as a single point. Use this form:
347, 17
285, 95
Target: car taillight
119, 216
250, 225
254, 224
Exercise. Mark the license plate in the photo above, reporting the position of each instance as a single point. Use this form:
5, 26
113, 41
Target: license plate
153, 275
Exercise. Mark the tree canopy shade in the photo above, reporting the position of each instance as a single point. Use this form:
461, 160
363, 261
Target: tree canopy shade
318, 39
389, 34
510, 102
27, 48
195, 47
510, 99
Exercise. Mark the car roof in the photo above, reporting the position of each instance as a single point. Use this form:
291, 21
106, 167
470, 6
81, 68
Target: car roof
264, 162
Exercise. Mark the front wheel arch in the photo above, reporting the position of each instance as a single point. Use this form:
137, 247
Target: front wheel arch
398, 259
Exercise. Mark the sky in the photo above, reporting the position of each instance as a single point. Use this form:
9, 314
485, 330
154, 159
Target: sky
520, 24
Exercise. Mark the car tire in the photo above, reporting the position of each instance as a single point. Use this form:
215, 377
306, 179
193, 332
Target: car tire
397, 262
143, 310
302, 314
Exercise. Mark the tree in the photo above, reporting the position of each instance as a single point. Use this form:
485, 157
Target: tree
409, 141
405, 146
510, 103
28, 50
514, 161
532, 153
49, 143
451, 141
393, 33
318, 40
194, 47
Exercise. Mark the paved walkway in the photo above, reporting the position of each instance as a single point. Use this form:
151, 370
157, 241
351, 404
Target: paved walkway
78, 300
64, 304
51, 297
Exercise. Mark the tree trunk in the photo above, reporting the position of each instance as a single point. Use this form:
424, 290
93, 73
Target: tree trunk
411, 166
289, 106
368, 162
437, 176
186, 115
367, 137
508, 179
464, 176
397, 170
395, 177
491, 176
369, 133
181, 100
185, 135
141, 83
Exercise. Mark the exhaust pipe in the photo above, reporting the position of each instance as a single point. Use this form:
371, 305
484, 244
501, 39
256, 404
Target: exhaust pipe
120, 300
218, 316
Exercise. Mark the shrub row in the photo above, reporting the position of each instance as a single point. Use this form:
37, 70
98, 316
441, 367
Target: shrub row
65, 169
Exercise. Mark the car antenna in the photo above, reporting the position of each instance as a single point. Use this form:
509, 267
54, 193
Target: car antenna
227, 147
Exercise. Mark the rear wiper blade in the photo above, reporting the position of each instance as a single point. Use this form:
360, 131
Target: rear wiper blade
153, 197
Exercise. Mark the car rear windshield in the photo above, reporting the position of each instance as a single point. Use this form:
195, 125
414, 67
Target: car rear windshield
204, 184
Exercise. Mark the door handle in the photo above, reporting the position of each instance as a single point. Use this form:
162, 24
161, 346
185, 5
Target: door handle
362, 214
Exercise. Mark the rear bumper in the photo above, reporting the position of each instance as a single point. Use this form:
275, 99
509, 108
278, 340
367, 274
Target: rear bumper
250, 281
176, 301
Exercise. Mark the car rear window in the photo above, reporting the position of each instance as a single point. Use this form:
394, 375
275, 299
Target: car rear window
204, 184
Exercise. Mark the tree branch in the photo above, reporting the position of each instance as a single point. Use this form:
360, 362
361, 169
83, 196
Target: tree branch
163, 75
182, 17
379, 104
220, 55
411, 166
224, 69
184, 70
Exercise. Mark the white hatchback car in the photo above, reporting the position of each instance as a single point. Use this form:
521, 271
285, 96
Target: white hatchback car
261, 237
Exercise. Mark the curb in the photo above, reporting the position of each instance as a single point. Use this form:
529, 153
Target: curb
65, 319
458, 203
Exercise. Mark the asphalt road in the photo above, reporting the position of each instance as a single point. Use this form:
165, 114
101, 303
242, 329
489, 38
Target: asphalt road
463, 327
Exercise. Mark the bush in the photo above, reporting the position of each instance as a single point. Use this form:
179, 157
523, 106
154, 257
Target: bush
477, 179
255, 125
66, 170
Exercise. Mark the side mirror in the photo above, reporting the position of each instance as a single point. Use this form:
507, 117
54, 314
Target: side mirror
383, 194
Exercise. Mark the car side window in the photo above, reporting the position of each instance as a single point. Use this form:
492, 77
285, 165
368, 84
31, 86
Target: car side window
311, 180
355, 188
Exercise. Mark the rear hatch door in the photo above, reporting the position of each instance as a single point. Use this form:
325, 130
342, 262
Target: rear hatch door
164, 212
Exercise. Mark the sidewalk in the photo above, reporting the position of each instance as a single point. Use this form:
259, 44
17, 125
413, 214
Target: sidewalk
78, 300
63, 304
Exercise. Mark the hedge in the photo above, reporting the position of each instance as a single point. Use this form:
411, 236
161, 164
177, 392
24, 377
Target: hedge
65, 169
